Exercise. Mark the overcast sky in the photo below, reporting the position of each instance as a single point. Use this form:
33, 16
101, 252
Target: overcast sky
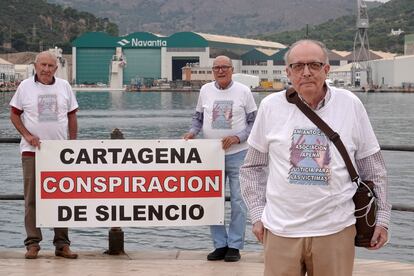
383, 1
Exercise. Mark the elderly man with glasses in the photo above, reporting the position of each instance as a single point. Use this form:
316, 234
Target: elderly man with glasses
226, 110
295, 182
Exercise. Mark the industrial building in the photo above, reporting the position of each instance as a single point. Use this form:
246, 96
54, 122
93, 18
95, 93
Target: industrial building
117, 61
393, 72
6, 71
387, 73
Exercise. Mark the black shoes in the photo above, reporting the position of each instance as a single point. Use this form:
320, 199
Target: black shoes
232, 255
224, 253
217, 254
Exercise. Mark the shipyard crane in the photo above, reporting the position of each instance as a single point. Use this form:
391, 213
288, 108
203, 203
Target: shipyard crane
361, 68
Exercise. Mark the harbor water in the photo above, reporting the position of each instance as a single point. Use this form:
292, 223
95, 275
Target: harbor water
167, 115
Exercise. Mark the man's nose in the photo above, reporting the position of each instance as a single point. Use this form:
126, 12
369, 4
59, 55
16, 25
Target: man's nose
306, 70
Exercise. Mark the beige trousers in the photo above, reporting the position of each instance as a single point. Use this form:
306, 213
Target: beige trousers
331, 255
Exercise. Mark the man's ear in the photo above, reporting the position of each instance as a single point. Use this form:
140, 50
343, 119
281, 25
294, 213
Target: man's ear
327, 68
287, 72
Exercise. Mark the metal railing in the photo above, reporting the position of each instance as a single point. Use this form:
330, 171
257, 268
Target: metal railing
116, 235
9, 140
395, 207
117, 134
383, 147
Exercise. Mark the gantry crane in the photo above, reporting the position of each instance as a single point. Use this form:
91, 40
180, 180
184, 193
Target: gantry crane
361, 53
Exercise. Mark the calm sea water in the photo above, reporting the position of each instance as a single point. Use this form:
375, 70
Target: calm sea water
167, 115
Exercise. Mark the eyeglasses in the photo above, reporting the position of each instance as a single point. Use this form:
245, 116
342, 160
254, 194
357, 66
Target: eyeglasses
223, 68
312, 66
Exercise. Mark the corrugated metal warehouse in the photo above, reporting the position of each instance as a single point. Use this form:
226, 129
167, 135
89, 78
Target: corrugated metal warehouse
146, 55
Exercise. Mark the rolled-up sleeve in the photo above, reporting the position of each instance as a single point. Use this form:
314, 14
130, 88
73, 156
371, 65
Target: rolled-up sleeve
197, 122
373, 168
244, 134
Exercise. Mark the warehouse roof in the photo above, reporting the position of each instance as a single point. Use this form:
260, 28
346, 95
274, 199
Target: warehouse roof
3, 61
176, 40
242, 41
268, 52
341, 53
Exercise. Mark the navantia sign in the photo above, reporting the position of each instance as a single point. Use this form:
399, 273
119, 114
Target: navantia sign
142, 43
107, 183
135, 42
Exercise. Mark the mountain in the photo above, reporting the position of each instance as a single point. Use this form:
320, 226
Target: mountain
35, 24
39, 24
339, 33
231, 17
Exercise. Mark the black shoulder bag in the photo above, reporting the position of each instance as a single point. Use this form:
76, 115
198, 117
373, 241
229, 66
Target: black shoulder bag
365, 199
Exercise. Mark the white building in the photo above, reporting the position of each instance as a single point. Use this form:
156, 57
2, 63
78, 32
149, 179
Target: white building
248, 80
23, 71
193, 72
6, 71
342, 76
393, 72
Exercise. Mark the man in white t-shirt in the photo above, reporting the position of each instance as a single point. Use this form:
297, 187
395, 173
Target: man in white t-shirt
295, 182
226, 110
43, 108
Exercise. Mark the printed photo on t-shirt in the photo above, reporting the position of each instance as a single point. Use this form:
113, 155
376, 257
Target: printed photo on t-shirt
222, 115
309, 157
47, 107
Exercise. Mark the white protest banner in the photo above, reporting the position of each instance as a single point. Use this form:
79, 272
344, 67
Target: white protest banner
111, 183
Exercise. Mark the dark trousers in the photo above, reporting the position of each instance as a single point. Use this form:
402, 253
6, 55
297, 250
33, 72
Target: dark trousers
34, 234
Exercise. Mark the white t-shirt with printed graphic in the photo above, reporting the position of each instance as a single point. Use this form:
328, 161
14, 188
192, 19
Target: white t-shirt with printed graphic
309, 191
45, 109
225, 111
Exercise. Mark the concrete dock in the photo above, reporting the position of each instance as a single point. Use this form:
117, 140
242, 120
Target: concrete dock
165, 263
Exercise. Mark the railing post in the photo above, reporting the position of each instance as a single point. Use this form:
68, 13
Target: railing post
116, 235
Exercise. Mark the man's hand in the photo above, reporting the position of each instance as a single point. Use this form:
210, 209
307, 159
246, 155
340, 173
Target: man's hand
33, 140
379, 238
258, 230
189, 135
227, 141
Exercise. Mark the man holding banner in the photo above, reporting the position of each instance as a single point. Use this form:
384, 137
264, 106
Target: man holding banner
43, 108
226, 110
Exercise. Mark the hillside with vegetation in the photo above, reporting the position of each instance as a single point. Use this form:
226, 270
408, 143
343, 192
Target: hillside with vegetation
340, 33
229, 17
35, 25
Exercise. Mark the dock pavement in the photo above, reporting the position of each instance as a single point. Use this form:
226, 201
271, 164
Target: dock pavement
162, 263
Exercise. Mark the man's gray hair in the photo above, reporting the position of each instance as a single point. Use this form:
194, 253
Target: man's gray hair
45, 53
224, 57
316, 42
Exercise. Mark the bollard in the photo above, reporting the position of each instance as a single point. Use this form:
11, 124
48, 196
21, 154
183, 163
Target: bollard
115, 241
117, 134
115, 234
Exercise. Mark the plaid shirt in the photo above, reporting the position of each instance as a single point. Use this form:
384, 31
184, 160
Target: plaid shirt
253, 180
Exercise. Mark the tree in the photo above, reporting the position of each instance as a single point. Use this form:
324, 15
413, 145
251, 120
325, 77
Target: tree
19, 42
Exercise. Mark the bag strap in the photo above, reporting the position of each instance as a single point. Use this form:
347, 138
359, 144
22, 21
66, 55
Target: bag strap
292, 97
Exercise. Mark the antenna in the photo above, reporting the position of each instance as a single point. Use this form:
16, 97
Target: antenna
361, 52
